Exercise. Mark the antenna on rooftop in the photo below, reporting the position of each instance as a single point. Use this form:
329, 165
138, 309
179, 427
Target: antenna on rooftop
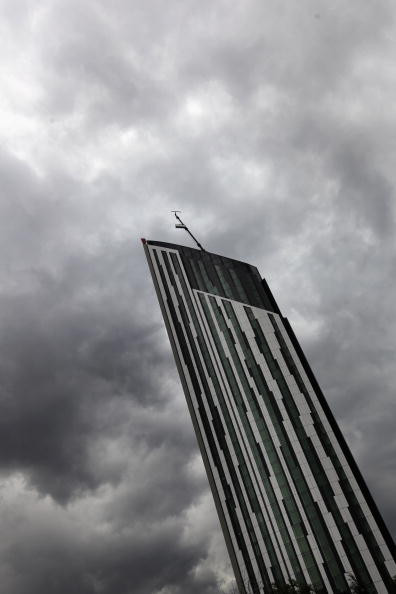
181, 225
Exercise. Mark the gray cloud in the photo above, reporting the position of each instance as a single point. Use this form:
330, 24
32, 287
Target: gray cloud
271, 127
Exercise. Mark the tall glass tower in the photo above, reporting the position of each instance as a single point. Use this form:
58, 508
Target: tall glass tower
290, 498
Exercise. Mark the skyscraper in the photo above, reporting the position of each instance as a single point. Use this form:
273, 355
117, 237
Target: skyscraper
290, 498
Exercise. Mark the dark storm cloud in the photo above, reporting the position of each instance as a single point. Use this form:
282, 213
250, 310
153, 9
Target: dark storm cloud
271, 126
88, 400
65, 553
69, 347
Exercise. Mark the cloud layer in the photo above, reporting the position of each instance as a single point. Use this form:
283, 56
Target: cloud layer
272, 127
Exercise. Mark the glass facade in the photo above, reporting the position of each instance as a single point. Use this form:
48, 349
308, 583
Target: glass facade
290, 498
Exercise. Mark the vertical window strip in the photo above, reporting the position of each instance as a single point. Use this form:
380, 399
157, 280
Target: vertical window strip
310, 454
237, 291
323, 487
220, 270
240, 288
353, 503
237, 396
282, 527
209, 264
235, 440
255, 290
226, 454
198, 275
276, 418
325, 540
346, 460
288, 496
188, 268
211, 288
205, 420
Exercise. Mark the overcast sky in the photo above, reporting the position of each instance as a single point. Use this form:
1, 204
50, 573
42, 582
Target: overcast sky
271, 125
